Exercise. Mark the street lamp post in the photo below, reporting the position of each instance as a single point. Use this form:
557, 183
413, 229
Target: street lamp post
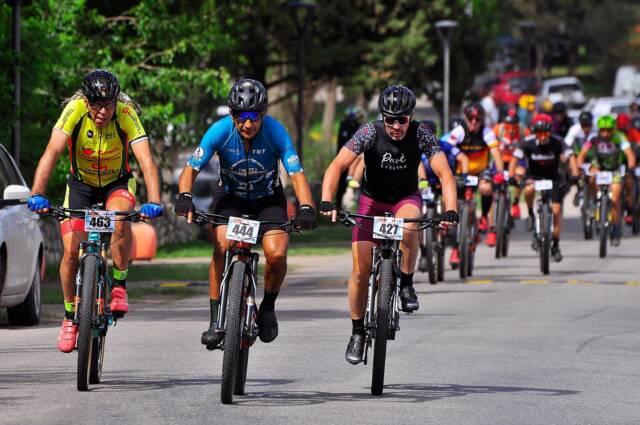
444, 30
528, 28
15, 148
302, 13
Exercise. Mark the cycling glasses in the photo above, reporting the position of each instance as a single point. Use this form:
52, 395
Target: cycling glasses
108, 104
390, 121
252, 116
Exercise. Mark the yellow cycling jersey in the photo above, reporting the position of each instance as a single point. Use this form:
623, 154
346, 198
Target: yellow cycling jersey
99, 156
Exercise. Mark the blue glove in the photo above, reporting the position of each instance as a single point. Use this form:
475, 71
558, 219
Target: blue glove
38, 202
151, 210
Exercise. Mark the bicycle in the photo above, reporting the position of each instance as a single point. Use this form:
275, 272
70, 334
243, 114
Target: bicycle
635, 206
603, 211
432, 241
583, 201
238, 314
382, 314
543, 228
468, 234
503, 218
93, 288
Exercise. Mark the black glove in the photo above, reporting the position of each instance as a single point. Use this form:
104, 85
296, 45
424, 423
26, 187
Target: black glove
449, 216
326, 206
306, 217
184, 203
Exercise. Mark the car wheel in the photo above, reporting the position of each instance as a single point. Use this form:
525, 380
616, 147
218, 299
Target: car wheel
29, 312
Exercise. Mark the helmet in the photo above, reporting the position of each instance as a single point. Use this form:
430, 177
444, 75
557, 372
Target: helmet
606, 122
547, 106
431, 124
474, 109
248, 95
586, 118
100, 85
623, 121
541, 122
396, 101
559, 108
635, 123
511, 117
454, 122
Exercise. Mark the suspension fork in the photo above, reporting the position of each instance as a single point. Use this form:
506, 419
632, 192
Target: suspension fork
222, 311
371, 295
250, 296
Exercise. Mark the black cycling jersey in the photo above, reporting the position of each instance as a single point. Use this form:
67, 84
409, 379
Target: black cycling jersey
391, 167
543, 159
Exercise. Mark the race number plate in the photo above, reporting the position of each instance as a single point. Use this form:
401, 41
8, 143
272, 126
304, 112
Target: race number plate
100, 221
427, 194
604, 177
242, 230
387, 228
541, 185
471, 181
637, 171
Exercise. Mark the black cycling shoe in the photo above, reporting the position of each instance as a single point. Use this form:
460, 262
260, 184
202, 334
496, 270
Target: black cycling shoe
616, 234
355, 349
534, 244
556, 253
211, 338
409, 299
267, 325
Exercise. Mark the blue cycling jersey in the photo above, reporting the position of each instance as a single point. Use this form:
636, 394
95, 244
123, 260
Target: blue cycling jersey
252, 174
450, 151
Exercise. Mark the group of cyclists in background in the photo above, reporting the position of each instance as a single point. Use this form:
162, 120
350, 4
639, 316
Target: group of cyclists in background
396, 162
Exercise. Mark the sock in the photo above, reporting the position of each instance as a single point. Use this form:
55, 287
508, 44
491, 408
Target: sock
357, 326
269, 300
486, 204
214, 305
556, 243
530, 212
68, 310
120, 278
406, 279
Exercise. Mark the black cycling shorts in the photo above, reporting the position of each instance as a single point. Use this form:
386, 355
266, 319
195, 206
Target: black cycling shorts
81, 195
268, 208
559, 190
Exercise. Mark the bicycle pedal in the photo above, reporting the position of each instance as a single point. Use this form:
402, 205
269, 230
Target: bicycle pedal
117, 315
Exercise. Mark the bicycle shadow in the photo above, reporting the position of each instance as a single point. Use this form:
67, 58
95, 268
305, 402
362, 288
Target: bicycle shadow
153, 384
403, 393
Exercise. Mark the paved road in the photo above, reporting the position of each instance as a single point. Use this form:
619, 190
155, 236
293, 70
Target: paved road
507, 347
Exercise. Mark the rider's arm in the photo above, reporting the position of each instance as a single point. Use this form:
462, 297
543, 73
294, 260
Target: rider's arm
441, 169
631, 157
332, 176
494, 146
422, 172
301, 188
55, 148
142, 152
518, 153
356, 170
583, 153
463, 161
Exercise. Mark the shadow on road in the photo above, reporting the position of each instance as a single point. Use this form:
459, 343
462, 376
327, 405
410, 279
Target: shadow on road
408, 393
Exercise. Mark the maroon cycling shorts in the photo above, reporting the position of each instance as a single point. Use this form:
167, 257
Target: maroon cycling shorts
369, 206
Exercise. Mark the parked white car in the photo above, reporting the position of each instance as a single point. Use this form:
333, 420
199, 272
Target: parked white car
627, 82
608, 105
21, 248
565, 89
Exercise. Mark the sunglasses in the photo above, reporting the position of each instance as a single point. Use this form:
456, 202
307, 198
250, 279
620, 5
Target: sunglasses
390, 121
252, 116
474, 119
99, 105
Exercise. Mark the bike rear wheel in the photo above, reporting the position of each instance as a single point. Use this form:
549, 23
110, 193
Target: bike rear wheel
241, 376
97, 359
86, 311
430, 248
233, 332
635, 208
463, 243
500, 223
587, 220
383, 314
604, 225
545, 243
440, 260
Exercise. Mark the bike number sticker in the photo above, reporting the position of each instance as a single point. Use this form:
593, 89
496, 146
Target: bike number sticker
471, 181
604, 177
100, 221
541, 185
388, 228
242, 230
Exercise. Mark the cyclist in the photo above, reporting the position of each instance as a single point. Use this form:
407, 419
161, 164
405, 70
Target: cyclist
509, 135
561, 121
609, 148
580, 132
477, 142
543, 153
623, 125
392, 150
249, 144
99, 124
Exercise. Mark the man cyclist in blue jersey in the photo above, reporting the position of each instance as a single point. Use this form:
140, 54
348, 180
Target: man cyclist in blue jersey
249, 144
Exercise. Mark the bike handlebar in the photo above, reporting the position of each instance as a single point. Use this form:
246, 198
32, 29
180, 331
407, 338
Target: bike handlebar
202, 218
348, 219
62, 213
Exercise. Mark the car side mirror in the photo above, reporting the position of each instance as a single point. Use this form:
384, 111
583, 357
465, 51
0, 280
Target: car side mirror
16, 192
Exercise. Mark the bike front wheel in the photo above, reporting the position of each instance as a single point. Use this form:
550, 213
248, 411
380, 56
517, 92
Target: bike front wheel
383, 314
463, 242
430, 248
545, 243
604, 225
233, 332
86, 312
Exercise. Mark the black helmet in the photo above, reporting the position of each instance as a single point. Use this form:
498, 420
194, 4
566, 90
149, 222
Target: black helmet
100, 85
431, 124
511, 117
559, 108
248, 95
635, 123
396, 101
586, 118
474, 109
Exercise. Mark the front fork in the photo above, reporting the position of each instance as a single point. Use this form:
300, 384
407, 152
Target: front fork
102, 318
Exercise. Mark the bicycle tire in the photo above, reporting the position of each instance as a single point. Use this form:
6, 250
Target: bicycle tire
86, 309
545, 243
97, 359
430, 250
463, 243
587, 221
604, 225
635, 208
241, 376
383, 314
473, 244
233, 332
500, 223
440, 261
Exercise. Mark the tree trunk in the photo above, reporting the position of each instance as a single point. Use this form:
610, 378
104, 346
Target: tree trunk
329, 115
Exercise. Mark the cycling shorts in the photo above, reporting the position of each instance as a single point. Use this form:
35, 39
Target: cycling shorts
368, 206
558, 192
268, 208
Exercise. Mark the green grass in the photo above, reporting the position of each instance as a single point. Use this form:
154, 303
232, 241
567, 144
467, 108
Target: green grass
185, 250
180, 272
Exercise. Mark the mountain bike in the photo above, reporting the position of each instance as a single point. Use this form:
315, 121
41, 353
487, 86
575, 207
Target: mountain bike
432, 240
543, 228
586, 205
603, 211
382, 315
503, 218
468, 234
238, 314
93, 288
